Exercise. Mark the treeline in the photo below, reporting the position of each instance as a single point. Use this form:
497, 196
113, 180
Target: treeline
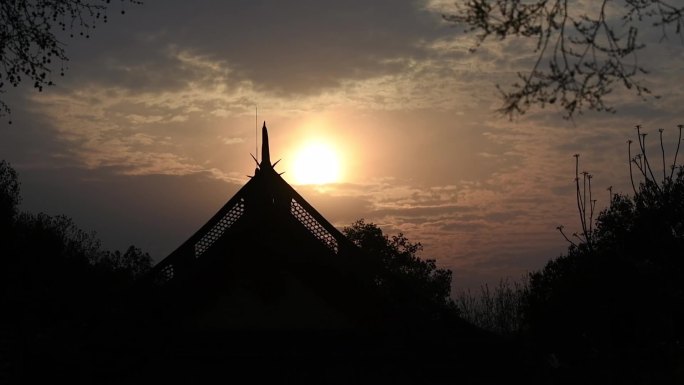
72, 308
610, 310
57, 286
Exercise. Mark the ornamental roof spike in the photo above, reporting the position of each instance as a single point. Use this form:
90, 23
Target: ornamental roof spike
265, 152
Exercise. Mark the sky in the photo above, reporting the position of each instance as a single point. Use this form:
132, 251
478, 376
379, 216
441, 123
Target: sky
150, 130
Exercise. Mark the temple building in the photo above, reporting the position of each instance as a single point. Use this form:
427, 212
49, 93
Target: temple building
268, 260
268, 291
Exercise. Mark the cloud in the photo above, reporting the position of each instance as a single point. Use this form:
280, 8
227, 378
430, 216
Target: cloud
229, 141
167, 94
296, 48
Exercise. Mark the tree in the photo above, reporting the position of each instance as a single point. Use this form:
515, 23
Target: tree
499, 310
132, 264
612, 308
59, 290
581, 56
9, 194
402, 276
29, 46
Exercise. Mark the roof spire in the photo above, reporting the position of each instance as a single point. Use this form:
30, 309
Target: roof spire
265, 153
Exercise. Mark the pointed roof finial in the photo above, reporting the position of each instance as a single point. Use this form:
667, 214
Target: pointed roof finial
265, 153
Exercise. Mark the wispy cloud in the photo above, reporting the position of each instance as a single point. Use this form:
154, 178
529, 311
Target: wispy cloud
429, 156
229, 141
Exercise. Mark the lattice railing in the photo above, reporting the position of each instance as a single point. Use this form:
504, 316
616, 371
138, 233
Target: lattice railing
313, 226
219, 228
165, 274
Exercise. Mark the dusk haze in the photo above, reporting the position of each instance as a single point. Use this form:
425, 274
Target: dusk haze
263, 137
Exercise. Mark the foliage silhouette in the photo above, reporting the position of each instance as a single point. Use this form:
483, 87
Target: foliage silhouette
581, 55
57, 289
74, 312
28, 40
132, 264
402, 276
613, 306
611, 310
500, 310
9, 195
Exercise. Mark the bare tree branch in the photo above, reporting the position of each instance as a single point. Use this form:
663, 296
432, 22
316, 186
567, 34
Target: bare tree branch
581, 58
29, 48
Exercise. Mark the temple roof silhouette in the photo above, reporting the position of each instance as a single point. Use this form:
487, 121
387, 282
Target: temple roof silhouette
268, 259
269, 290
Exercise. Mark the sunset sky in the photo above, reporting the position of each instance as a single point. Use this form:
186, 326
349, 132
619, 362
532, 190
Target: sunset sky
151, 129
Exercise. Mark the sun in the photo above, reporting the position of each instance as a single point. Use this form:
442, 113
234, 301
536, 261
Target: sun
316, 163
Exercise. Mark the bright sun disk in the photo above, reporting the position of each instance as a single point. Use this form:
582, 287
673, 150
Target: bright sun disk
316, 163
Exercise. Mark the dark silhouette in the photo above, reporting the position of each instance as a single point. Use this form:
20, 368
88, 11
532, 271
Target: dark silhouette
401, 274
267, 281
266, 291
499, 309
57, 288
611, 310
9, 196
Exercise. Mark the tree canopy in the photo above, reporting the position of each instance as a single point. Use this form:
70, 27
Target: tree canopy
57, 287
9, 193
613, 304
611, 309
402, 275
583, 51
